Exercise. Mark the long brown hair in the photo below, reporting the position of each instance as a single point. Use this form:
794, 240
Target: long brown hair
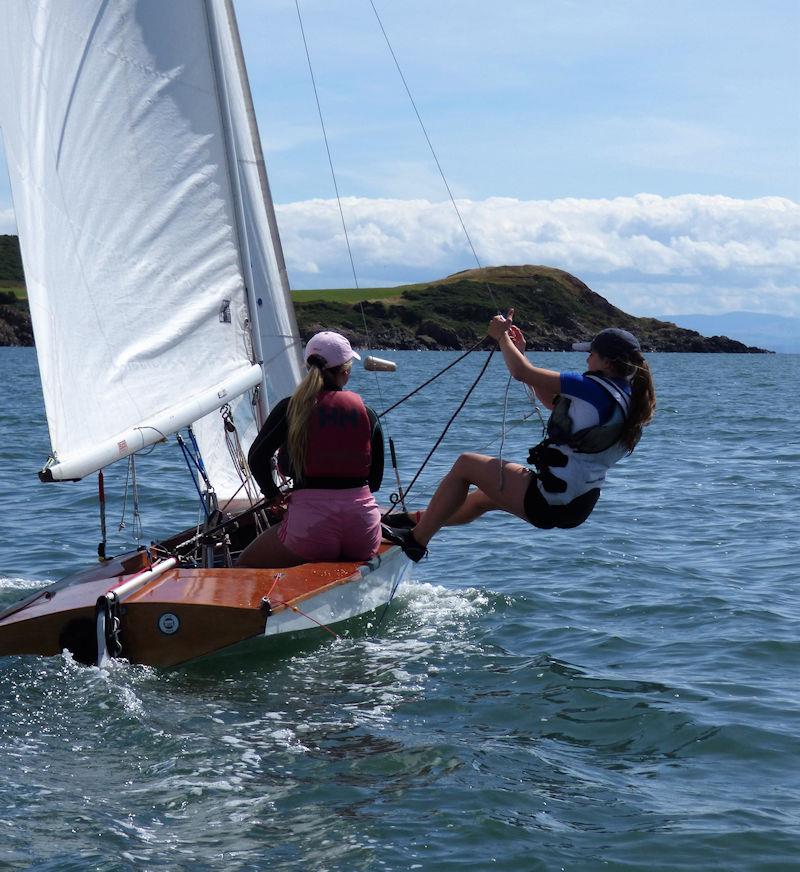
301, 405
643, 398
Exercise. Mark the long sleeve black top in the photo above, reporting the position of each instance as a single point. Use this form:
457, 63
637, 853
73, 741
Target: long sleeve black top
272, 437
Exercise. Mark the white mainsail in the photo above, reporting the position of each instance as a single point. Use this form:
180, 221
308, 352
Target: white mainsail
138, 190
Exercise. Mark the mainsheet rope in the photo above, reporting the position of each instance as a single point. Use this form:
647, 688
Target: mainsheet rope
432, 149
447, 425
336, 187
431, 379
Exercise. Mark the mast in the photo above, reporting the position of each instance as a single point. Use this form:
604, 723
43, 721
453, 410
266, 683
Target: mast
261, 166
230, 150
217, 9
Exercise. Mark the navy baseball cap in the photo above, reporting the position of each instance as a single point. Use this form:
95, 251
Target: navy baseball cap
614, 343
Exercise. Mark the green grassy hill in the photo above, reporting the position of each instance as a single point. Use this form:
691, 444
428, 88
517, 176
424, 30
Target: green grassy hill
15, 322
11, 274
552, 307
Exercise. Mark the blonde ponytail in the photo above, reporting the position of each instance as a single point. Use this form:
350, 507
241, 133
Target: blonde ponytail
300, 407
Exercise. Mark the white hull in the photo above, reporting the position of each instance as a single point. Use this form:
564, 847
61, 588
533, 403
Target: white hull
379, 578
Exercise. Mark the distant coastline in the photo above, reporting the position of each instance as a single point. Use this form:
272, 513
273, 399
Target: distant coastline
780, 333
553, 308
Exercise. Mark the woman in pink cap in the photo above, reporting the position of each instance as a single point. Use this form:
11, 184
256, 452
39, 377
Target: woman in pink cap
331, 445
597, 418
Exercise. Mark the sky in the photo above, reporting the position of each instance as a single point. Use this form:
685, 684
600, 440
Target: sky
650, 148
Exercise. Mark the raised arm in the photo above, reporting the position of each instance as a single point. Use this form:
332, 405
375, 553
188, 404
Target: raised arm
545, 382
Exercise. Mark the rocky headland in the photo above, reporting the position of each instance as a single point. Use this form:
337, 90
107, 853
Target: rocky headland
552, 307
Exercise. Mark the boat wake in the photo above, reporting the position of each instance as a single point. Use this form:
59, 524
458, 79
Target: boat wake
436, 607
17, 583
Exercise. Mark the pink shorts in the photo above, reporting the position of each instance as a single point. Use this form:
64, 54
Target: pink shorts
332, 524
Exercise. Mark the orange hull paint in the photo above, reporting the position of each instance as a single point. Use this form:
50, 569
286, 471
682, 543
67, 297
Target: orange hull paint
179, 616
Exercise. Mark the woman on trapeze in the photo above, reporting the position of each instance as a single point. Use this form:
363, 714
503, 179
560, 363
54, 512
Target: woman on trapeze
331, 445
597, 418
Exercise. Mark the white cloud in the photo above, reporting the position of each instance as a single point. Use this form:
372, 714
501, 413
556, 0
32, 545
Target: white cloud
680, 298
647, 253
8, 223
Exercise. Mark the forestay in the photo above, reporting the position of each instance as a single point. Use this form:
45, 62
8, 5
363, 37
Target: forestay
139, 193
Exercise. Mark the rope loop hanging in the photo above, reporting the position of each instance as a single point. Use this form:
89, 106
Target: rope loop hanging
130, 479
239, 461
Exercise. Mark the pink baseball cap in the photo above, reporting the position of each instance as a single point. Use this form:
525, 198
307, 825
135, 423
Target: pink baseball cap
332, 347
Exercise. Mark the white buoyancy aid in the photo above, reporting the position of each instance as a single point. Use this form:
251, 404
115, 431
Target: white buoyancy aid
570, 463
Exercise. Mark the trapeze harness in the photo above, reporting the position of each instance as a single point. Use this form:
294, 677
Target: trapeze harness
571, 466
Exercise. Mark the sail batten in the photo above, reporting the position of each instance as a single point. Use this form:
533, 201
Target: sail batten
125, 158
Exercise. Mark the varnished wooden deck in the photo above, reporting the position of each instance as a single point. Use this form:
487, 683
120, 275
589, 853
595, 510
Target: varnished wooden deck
180, 615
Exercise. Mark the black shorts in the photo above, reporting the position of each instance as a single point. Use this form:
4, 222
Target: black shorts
544, 516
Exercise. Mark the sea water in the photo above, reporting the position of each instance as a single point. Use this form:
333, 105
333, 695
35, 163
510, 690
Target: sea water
620, 696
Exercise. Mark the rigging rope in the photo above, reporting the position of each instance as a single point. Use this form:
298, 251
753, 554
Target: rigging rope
447, 425
432, 149
280, 576
401, 497
325, 137
514, 426
187, 456
336, 187
137, 516
386, 606
312, 619
402, 494
503, 430
431, 379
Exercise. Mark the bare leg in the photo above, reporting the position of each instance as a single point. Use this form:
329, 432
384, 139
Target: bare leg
475, 505
452, 501
267, 550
